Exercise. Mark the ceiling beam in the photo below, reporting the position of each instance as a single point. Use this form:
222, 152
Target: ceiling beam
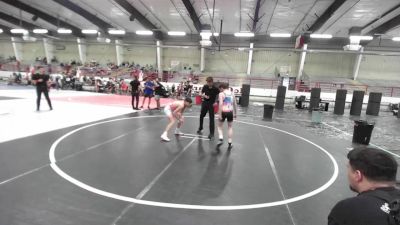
387, 26
387, 16
256, 16
18, 22
136, 14
193, 15
85, 14
326, 15
44, 16
6, 29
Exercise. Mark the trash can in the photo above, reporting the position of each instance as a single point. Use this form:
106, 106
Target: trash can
198, 99
362, 132
268, 111
326, 106
316, 116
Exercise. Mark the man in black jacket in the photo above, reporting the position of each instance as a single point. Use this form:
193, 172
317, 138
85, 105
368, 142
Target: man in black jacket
372, 174
41, 80
208, 93
135, 91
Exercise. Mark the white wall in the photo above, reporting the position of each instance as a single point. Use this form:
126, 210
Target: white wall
189, 57
329, 65
227, 62
70, 52
31, 50
6, 49
102, 53
380, 67
266, 62
140, 55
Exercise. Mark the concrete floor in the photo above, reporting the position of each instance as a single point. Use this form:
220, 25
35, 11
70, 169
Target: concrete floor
114, 170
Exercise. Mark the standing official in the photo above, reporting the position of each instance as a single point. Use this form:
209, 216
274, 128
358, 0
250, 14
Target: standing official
135, 91
41, 81
208, 93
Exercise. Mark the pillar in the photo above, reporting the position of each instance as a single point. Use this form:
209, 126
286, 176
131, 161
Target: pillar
340, 102
17, 46
202, 59
302, 61
250, 61
357, 64
48, 49
374, 103
159, 59
357, 103
82, 49
120, 51
280, 98
315, 98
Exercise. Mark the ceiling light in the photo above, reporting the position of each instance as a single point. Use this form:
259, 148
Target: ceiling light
209, 34
176, 33
108, 40
1, 31
362, 38
89, 31
40, 31
116, 32
322, 36
244, 34
280, 35
19, 31
396, 39
144, 32
64, 31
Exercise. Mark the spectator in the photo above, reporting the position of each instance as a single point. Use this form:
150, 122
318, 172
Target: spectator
173, 90
124, 87
188, 89
371, 173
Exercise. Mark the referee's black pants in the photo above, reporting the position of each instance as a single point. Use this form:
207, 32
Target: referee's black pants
207, 107
45, 91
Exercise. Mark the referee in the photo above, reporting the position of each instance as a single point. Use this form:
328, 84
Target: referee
41, 80
208, 93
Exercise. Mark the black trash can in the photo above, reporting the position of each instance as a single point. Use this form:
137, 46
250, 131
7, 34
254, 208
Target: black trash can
268, 111
362, 132
326, 106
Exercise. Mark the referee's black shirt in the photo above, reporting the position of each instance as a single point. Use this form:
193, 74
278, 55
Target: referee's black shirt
44, 77
212, 92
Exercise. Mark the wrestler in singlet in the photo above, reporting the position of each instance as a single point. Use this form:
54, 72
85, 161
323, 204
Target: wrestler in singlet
227, 106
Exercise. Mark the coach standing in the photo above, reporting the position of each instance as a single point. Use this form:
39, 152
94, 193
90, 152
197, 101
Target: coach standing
41, 80
208, 93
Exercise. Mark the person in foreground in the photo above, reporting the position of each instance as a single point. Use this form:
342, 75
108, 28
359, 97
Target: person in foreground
174, 111
227, 110
371, 174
